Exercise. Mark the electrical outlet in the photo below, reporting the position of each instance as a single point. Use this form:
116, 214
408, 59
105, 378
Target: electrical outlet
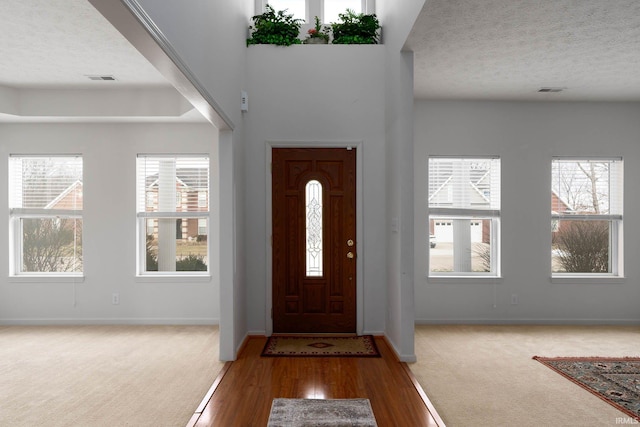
115, 298
514, 299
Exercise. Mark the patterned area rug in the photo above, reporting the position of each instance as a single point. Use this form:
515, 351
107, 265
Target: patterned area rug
614, 380
319, 346
321, 412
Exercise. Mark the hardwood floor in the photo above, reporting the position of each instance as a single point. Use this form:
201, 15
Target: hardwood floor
243, 392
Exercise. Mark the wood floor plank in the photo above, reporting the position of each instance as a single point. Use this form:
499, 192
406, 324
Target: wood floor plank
243, 396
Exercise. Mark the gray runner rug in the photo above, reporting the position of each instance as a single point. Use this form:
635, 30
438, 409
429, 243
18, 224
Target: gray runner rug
321, 413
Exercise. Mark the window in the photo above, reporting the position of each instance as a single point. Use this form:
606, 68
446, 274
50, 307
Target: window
326, 10
45, 208
297, 8
333, 7
202, 199
464, 216
169, 236
586, 217
313, 227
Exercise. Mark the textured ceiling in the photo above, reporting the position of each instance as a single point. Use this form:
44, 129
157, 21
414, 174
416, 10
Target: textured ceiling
464, 49
57, 43
508, 49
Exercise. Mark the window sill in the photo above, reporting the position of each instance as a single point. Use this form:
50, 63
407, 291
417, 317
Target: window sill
24, 278
460, 279
173, 278
588, 279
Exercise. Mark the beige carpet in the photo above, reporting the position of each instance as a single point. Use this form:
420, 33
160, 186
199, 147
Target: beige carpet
484, 375
94, 376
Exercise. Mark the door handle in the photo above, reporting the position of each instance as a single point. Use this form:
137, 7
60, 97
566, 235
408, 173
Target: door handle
350, 255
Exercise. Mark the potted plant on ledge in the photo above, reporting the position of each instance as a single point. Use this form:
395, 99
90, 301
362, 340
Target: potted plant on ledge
317, 35
355, 28
273, 27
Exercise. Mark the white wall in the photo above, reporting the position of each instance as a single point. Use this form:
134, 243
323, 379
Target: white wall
397, 18
526, 136
109, 232
311, 94
210, 39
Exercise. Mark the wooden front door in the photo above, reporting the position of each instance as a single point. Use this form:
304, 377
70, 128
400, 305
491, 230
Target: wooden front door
314, 240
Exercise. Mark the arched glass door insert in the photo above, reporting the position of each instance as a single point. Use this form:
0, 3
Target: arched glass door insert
313, 203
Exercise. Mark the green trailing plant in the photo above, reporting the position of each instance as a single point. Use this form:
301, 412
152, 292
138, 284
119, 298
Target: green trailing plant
273, 27
355, 28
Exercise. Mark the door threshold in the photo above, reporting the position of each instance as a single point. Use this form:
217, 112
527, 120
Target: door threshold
314, 334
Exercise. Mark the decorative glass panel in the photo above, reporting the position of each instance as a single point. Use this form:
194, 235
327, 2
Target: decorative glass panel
313, 202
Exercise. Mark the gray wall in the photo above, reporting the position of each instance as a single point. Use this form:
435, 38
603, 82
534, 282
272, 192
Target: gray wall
526, 136
312, 95
109, 230
210, 39
397, 18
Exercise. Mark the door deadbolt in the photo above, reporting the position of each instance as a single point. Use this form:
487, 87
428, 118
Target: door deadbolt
349, 242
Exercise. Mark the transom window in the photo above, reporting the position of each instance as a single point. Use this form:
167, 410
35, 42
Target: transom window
464, 216
45, 208
172, 230
326, 10
586, 217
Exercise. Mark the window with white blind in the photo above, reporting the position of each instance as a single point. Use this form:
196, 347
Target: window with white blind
172, 230
464, 216
326, 10
45, 209
586, 217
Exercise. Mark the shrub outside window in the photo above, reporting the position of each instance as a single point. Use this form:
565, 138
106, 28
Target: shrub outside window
172, 237
45, 209
464, 216
586, 217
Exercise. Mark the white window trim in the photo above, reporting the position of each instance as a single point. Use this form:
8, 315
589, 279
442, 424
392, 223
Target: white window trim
496, 270
460, 213
315, 8
144, 276
15, 246
616, 236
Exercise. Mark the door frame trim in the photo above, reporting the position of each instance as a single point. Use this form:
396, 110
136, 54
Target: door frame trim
357, 144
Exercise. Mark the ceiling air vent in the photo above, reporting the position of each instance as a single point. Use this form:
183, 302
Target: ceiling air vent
103, 78
551, 89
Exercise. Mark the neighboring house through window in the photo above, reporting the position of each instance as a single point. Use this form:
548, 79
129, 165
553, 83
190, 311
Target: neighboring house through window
172, 229
45, 208
586, 217
464, 216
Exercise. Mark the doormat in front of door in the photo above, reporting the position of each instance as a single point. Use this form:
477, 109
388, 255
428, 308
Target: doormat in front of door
320, 346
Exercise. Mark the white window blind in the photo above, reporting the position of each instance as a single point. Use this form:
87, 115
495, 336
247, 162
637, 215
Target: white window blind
45, 185
464, 186
162, 179
588, 189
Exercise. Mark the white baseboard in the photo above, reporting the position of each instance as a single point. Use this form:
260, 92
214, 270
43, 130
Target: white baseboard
107, 321
621, 322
